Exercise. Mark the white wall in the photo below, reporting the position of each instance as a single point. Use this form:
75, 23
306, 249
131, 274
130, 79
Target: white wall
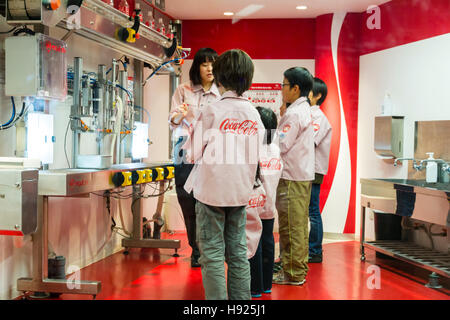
79, 228
417, 76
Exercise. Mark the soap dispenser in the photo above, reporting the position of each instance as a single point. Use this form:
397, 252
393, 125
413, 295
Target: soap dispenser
432, 169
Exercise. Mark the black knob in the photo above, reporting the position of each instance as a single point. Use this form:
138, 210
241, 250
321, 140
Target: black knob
118, 179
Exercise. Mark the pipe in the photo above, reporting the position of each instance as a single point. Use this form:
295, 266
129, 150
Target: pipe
75, 110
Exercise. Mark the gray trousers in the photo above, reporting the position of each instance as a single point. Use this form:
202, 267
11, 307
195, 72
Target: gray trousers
221, 238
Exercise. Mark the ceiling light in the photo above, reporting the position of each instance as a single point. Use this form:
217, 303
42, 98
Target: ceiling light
301, 7
228, 13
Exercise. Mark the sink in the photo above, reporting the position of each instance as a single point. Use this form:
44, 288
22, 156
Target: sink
430, 202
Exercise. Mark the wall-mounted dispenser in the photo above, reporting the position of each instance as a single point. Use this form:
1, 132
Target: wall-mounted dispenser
388, 136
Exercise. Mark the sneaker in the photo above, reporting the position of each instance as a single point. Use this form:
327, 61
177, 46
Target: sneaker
267, 291
277, 267
256, 295
194, 262
282, 278
316, 258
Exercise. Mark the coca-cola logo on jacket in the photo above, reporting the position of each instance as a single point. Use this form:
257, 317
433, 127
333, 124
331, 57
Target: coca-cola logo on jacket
286, 128
257, 202
316, 126
246, 127
272, 164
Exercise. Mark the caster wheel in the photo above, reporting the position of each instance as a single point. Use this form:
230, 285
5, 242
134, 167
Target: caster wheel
176, 255
363, 258
94, 297
126, 252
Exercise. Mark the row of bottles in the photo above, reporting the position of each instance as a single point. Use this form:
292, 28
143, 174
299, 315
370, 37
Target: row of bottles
149, 22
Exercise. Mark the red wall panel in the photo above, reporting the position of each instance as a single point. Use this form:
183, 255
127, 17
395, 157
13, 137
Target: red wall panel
325, 70
348, 69
260, 38
405, 21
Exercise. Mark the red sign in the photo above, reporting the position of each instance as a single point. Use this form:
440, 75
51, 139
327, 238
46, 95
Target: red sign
265, 86
51, 47
78, 183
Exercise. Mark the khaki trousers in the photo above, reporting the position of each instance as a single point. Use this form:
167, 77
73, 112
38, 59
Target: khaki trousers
292, 205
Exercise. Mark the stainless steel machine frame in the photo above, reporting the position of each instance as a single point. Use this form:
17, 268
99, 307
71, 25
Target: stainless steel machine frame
75, 182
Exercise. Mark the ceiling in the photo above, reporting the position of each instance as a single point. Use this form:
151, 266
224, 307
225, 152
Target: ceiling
262, 9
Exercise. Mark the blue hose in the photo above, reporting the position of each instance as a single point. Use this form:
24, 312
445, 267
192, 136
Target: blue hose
12, 116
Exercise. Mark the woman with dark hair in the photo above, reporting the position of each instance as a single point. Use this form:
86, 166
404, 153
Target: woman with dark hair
188, 98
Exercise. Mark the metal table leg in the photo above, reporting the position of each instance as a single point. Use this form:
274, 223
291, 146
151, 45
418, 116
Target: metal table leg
362, 232
40, 281
136, 240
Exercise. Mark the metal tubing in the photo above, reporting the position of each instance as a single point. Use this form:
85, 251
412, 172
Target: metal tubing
123, 79
75, 110
363, 231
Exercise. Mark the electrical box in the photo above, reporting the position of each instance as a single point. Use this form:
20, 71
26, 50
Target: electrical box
18, 201
40, 138
388, 136
36, 66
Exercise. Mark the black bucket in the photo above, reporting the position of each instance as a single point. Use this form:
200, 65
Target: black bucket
388, 226
56, 270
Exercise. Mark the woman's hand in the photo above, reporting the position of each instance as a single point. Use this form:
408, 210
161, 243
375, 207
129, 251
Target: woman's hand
180, 114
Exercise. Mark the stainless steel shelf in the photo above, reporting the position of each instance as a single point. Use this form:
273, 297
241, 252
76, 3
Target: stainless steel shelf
433, 261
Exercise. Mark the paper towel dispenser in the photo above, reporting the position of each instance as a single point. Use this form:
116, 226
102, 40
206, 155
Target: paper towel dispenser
388, 136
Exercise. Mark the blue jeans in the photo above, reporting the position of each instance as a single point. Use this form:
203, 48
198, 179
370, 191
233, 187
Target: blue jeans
315, 219
261, 264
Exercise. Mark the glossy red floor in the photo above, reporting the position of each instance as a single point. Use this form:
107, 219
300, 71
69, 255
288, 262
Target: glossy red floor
153, 274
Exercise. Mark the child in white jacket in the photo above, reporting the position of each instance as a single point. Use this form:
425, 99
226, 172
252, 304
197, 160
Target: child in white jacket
221, 145
322, 142
261, 264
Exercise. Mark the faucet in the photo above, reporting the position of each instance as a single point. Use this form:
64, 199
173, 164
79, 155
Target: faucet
446, 168
403, 159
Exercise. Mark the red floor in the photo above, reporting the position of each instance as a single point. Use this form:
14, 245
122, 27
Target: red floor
153, 274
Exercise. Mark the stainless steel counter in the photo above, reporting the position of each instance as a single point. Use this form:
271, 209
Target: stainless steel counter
72, 182
430, 204
432, 199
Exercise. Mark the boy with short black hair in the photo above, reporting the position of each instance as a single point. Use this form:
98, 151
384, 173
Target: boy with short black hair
322, 142
223, 188
294, 189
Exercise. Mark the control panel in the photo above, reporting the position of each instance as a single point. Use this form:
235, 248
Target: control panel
128, 178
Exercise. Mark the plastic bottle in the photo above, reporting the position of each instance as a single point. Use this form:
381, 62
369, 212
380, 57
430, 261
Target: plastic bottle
150, 21
162, 27
387, 108
124, 7
432, 169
